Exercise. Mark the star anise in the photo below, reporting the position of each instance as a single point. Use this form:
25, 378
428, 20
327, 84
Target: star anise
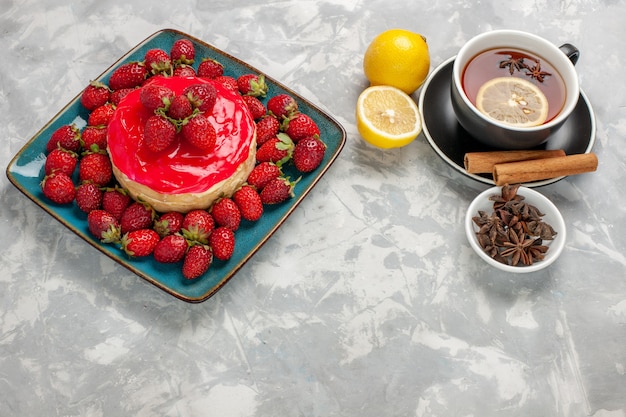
517, 248
541, 229
523, 210
508, 193
537, 251
489, 225
513, 63
536, 72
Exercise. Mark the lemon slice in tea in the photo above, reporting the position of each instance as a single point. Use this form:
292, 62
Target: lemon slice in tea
514, 101
387, 117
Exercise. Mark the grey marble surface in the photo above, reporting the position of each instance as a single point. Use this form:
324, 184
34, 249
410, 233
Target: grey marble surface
369, 300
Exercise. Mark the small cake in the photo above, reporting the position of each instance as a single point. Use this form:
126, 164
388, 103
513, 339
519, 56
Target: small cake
182, 177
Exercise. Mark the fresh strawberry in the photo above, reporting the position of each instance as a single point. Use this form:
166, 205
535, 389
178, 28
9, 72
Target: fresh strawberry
210, 68
256, 107
199, 132
88, 197
252, 85
277, 150
153, 97
197, 261
222, 242
180, 108
58, 188
198, 225
300, 126
104, 226
118, 95
282, 106
94, 135
266, 128
226, 213
95, 166
129, 75
263, 173
228, 82
202, 96
96, 94
139, 243
308, 154
157, 61
101, 115
277, 190
184, 71
182, 52
170, 249
66, 136
61, 160
137, 216
158, 133
169, 223
249, 203
115, 200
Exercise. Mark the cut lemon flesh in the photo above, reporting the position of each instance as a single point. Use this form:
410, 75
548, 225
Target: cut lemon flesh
387, 117
514, 101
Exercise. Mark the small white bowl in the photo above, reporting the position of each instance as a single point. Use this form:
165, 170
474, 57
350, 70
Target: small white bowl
552, 216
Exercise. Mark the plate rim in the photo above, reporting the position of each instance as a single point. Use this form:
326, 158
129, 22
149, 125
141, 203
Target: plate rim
294, 202
460, 169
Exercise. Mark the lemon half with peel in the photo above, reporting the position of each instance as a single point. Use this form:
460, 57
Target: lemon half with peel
387, 117
513, 101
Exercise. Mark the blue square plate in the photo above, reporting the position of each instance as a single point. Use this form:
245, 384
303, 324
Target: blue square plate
25, 171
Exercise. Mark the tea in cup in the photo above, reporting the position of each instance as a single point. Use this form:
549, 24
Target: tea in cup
512, 90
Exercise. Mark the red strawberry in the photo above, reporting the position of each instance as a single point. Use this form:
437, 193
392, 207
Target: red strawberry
256, 107
153, 97
157, 61
181, 108
95, 166
227, 82
170, 249
277, 150
129, 75
169, 223
61, 160
88, 197
252, 85
198, 225
96, 94
300, 126
249, 203
197, 261
308, 154
158, 133
101, 115
94, 135
182, 52
222, 242
59, 188
118, 95
137, 216
139, 243
263, 173
266, 128
277, 190
282, 106
226, 213
202, 96
184, 71
115, 200
103, 226
210, 68
66, 136
199, 132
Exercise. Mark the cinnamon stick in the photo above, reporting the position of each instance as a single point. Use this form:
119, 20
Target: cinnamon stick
541, 169
483, 162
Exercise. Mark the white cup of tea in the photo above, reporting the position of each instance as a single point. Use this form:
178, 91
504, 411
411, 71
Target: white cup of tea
512, 89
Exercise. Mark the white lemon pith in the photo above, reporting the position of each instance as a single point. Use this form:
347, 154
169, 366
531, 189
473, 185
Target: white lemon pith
387, 117
514, 101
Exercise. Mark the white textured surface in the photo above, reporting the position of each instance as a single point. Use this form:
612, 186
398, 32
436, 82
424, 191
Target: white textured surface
369, 301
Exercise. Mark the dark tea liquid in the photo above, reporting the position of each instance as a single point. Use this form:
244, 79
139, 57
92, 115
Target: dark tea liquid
487, 65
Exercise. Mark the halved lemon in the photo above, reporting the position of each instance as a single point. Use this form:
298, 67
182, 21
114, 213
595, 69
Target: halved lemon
514, 101
387, 117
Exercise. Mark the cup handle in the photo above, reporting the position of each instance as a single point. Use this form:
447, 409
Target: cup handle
571, 51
